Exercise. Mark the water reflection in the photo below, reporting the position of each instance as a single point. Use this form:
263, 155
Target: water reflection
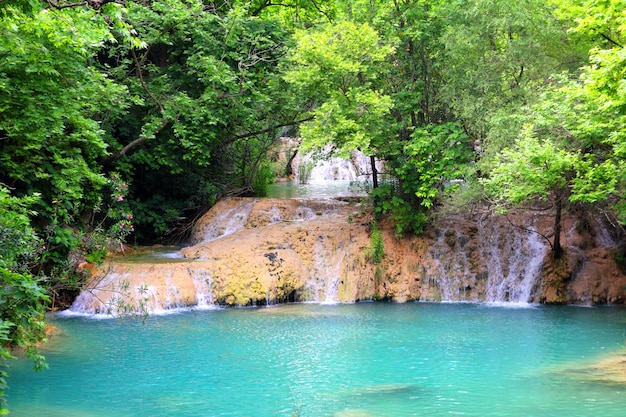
318, 189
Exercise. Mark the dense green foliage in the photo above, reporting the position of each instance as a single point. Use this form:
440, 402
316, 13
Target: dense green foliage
126, 121
22, 296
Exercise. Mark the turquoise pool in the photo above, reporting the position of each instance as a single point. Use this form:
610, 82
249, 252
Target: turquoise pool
309, 360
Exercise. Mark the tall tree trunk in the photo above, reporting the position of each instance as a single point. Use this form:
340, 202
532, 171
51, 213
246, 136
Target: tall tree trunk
556, 247
374, 172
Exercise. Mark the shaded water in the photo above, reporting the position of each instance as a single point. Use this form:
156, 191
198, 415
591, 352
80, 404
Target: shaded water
328, 360
317, 189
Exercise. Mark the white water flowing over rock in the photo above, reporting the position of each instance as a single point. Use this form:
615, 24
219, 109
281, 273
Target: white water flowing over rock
227, 222
356, 168
516, 281
203, 285
248, 251
338, 169
323, 286
275, 255
491, 262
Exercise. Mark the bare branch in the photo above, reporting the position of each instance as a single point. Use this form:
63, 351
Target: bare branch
95, 4
143, 83
6, 186
133, 144
269, 129
330, 20
608, 38
526, 229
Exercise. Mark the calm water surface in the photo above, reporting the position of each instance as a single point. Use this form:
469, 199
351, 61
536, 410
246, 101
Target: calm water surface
328, 360
317, 189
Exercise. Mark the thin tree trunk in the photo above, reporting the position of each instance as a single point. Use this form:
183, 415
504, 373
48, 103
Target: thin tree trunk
556, 247
374, 172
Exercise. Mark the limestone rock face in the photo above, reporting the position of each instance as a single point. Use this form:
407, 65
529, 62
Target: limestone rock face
249, 251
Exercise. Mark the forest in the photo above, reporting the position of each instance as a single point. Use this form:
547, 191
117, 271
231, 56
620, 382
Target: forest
123, 121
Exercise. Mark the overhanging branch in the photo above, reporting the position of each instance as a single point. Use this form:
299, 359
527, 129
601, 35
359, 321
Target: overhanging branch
529, 230
269, 129
608, 38
95, 4
133, 144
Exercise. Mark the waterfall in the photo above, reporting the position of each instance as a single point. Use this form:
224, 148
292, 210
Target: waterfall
450, 273
227, 222
493, 262
356, 168
128, 287
325, 278
203, 285
522, 255
262, 251
267, 251
92, 300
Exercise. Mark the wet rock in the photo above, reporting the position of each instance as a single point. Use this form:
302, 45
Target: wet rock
262, 251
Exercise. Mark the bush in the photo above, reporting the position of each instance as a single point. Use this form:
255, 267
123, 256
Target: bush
22, 299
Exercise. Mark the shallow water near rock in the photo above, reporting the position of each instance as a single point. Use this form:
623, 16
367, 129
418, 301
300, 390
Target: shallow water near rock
368, 359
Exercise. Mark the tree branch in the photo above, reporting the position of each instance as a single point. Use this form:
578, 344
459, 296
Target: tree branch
95, 4
143, 83
134, 143
608, 38
323, 13
526, 229
269, 129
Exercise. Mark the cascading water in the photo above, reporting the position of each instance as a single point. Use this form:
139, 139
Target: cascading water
493, 262
203, 284
356, 168
324, 279
263, 251
92, 300
523, 253
227, 222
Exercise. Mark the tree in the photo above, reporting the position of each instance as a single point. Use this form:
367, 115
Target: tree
434, 161
54, 101
337, 67
578, 159
497, 58
600, 95
206, 107
51, 98
535, 170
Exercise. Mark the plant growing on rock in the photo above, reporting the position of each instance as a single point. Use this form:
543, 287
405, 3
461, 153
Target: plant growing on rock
376, 252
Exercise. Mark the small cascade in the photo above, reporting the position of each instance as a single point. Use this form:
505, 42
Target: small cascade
147, 298
324, 280
513, 265
335, 169
93, 300
137, 288
172, 297
228, 221
493, 263
333, 280
203, 284
450, 275
304, 213
356, 168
